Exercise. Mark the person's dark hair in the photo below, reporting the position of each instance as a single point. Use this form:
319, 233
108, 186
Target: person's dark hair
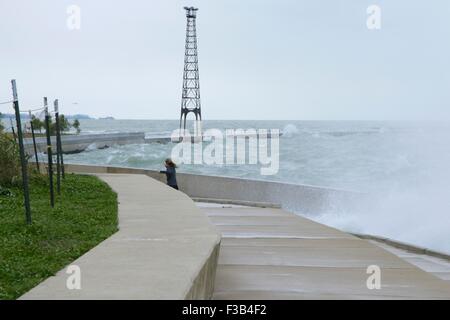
170, 163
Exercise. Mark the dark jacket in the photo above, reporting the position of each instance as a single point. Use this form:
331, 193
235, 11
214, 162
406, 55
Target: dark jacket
171, 176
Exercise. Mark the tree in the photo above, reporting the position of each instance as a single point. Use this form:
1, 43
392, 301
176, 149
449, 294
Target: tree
37, 123
52, 126
76, 125
9, 161
64, 124
1, 125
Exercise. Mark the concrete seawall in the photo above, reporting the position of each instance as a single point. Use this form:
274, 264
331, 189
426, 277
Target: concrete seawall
296, 198
79, 143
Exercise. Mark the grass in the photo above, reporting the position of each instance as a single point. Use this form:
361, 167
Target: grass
84, 215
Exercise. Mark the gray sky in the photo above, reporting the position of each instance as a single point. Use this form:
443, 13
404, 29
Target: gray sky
259, 59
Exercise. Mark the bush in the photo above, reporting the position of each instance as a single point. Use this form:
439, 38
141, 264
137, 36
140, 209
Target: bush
37, 123
1, 124
76, 125
9, 161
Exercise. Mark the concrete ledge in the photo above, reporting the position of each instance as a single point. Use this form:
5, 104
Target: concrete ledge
203, 285
403, 245
238, 202
166, 248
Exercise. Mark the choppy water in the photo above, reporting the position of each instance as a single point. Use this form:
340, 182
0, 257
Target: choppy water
405, 166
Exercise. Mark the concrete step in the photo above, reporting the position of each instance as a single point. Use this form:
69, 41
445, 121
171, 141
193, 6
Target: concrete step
269, 253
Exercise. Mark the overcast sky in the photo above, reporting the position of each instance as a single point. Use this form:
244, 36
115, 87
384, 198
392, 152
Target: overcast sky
259, 59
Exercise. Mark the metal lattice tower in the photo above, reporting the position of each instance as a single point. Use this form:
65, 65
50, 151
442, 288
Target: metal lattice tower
190, 98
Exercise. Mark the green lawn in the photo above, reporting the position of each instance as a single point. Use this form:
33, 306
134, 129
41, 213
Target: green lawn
84, 215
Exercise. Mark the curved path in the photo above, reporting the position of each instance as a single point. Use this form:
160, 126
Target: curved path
165, 249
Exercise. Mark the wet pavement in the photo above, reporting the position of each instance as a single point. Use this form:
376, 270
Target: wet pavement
269, 253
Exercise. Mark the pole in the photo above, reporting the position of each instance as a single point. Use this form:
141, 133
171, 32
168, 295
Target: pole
23, 160
58, 149
49, 153
61, 156
63, 171
34, 144
13, 131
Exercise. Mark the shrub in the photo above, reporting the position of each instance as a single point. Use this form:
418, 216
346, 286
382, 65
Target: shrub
9, 161
1, 125
37, 123
76, 125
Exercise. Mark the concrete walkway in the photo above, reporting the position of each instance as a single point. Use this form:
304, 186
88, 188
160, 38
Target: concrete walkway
438, 267
272, 254
165, 249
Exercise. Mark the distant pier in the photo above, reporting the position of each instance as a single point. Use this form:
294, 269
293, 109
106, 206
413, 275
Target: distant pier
83, 142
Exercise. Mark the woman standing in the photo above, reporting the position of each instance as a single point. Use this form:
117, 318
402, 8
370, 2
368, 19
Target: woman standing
171, 173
